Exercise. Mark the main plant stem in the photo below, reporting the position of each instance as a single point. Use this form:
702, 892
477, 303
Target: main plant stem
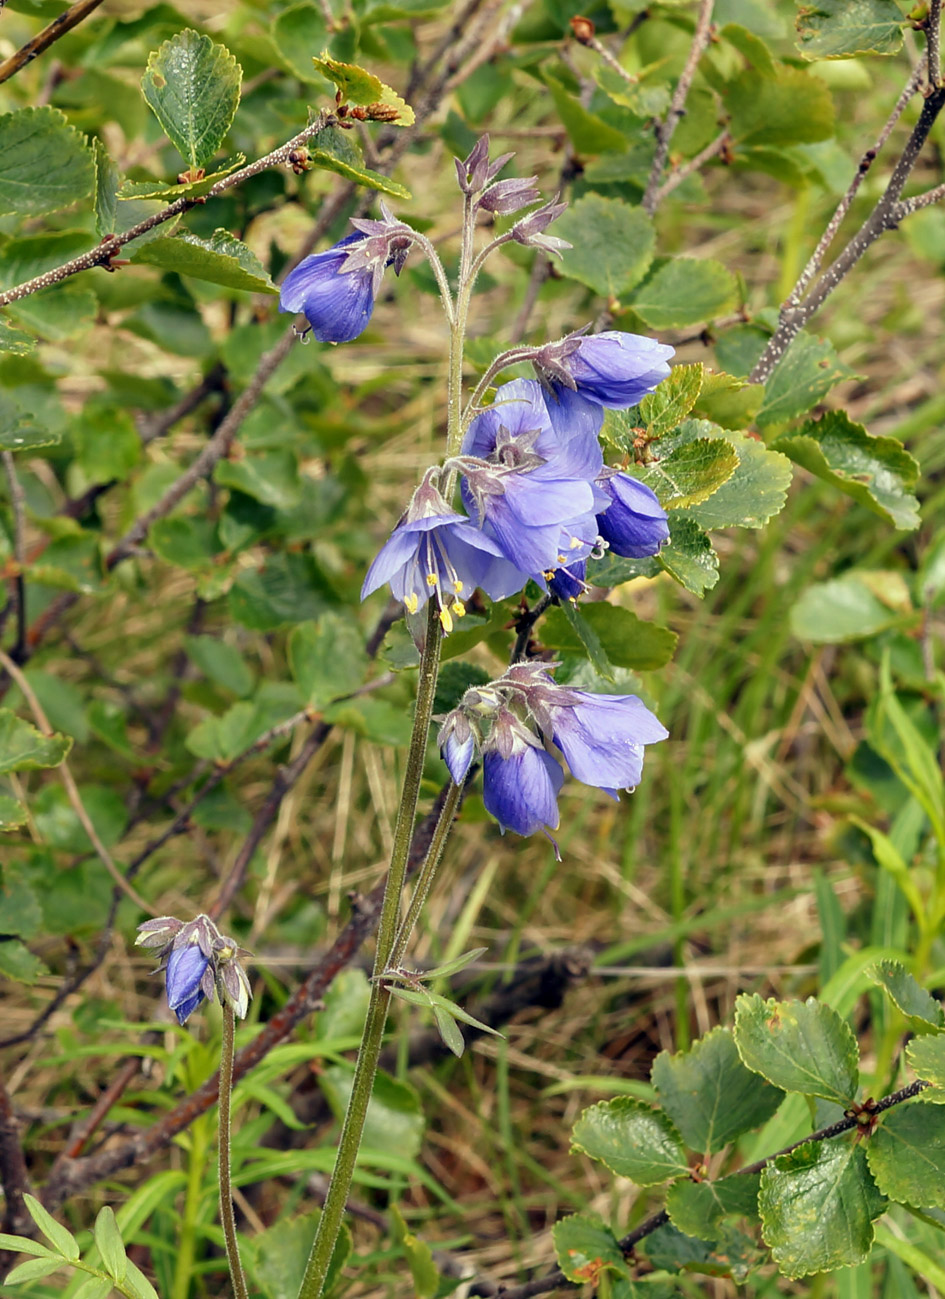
227, 1216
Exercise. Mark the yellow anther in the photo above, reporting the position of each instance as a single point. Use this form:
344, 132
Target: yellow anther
562, 559
457, 586
410, 603
458, 608
431, 579
446, 620
575, 542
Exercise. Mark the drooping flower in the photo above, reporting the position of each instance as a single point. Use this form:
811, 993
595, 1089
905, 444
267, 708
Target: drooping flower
197, 958
433, 551
568, 583
520, 781
634, 524
614, 369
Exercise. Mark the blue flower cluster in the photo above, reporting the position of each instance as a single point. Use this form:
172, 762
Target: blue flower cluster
510, 722
196, 958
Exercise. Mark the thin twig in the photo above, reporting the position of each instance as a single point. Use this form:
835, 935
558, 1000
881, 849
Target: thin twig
14, 1177
72, 790
677, 107
48, 36
933, 35
686, 169
17, 498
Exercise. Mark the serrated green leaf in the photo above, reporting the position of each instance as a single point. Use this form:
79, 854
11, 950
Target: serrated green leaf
755, 492
728, 400
18, 962
585, 1249
110, 1245
906, 1154
698, 1208
926, 1055
817, 1207
335, 150
588, 132
297, 31
192, 86
791, 108
221, 259
689, 556
612, 244
45, 164
800, 1046
423, 1270
805, 374
24, 748
924, 1013
643, 98
158, 189
357, 86
876, 471
729, 1253
838, 29
33, 1270
662, 410
58, 1236
710, 1095
691, 473
632, 1140
626, 640
327, 659
14, 340
58, 313
684, 291
107, 178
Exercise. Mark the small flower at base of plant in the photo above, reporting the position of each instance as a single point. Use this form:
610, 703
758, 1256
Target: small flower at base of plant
197, 958
614, 369
634, 524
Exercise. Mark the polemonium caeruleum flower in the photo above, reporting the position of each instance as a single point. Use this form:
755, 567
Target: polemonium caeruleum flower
433, 551
634, 524
613, 368
197, 958
529, 485
520, 781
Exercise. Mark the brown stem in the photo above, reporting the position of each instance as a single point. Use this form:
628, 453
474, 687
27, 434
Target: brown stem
48, 36
14, 1177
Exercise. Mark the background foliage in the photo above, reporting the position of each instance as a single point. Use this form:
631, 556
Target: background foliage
191, 499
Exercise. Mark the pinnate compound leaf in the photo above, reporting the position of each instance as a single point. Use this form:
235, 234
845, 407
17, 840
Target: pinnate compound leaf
876, 471
632, 1140
689, 556
926, 1055
327, 659
335, 150
924, 1013
684, 291
800, 1046
838, 29
110, 1245
710, 1095
805, 374
45, 164
791, 108
907, 1154
585, 1248
625, 640
95, 1287
192, 86
698, 1208
817, 1207
753, 494
221, 259
691, 473
662, 410
612, 244
24, 748
58, 1236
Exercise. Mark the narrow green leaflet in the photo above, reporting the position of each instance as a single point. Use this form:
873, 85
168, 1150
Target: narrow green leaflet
584, 638
192, 86
336, 150
585, 1248
33, 1269
691, 473
689, 556
626, 640
356, 86
876, 471
890, 859
698, 1208
612, 244
221, 259
95, 1287
838, 29
58, 1236
817, 1207
110, 1246
907, 1154
924, 1013
926, 1055
156, 189
137, 1284
673, 399
844, 608
800, 1046
792, 108
755, 491
423, 1270
710, 1095
805, 374
632, 1140
684, 291
24, 748
45, 164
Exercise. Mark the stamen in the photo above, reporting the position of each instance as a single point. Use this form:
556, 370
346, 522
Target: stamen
411, 602
458, 608
432, 579
446, 621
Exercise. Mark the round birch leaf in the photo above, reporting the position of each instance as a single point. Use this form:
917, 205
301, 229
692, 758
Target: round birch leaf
632, 1140
800, 1046
335, 150
924, 1013
297, 31
13, 813
838, 29
805, 374
754, 492
192, 86
697, 1208
843, 609
45, 164
792, 108
585, 1248
710, 1095
926, 1055
24, 748
221, 259
691, 473
689, 556
907, 1154
14, 340
684, 291
327, 659
612, 244
817, 1207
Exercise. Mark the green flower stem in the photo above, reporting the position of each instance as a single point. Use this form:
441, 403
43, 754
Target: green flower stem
329, 1224
427, 873
227, 1216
